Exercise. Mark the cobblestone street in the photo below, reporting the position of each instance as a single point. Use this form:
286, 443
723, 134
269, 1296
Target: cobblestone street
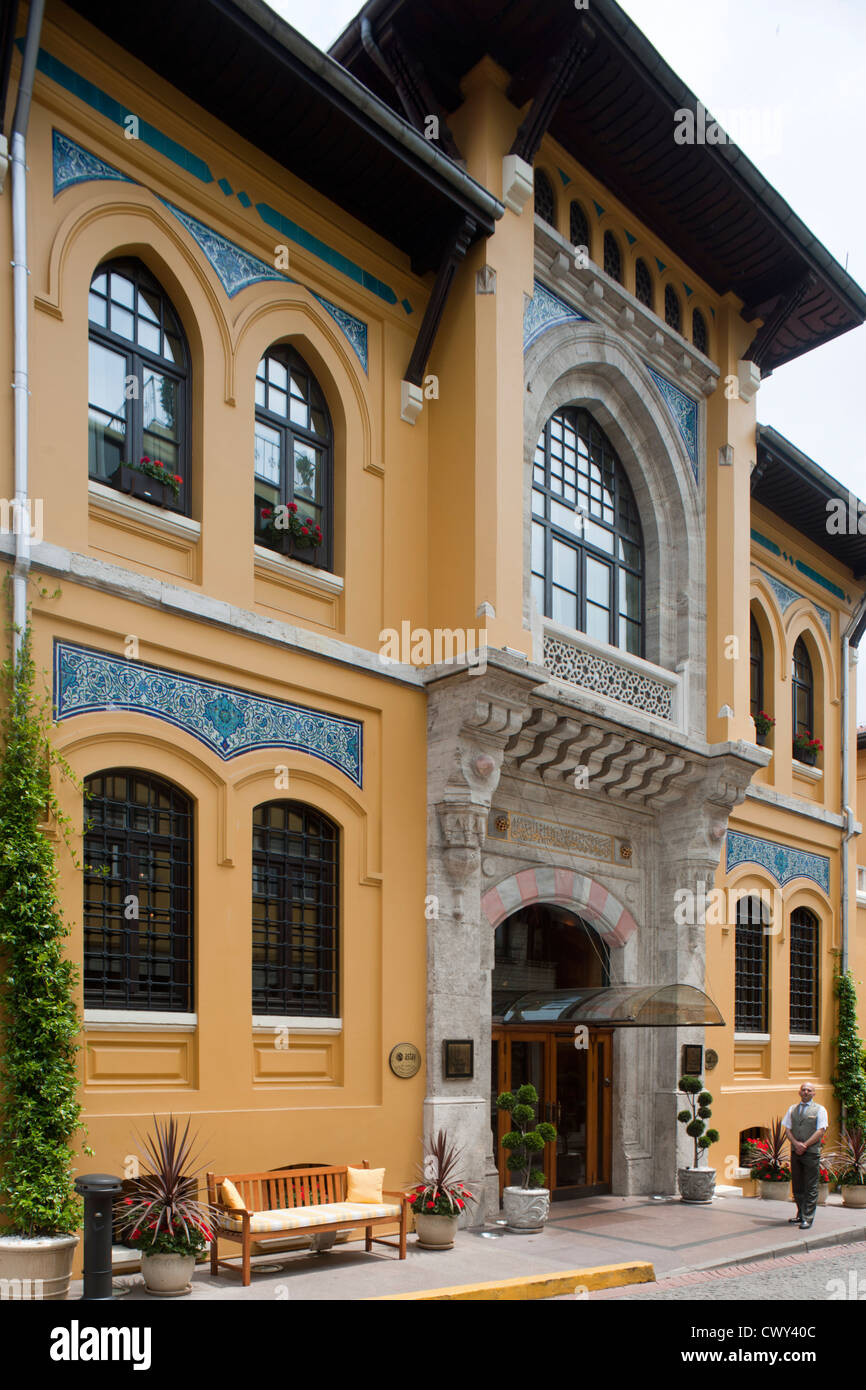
835, 1274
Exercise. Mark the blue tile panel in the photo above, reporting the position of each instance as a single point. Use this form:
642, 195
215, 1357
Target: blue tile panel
235, 267
543, 311
684, 411
781, 861
228, 721
816, 578
785, 596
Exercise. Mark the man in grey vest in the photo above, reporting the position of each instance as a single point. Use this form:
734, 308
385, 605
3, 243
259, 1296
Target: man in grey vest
805, 1126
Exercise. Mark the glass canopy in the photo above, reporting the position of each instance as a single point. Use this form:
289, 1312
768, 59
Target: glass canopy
617, 1006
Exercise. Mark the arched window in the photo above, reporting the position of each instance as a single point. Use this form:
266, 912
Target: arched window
643, 283
612, 257
139, 384
752, 967
138, 886
756, 668
293, 460
804, 971
700, 336
802, 691
673, 316
578, 226
296, 873
587, 546
543, 948
545, 203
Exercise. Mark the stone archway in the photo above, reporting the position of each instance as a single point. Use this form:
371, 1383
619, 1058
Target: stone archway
584, 896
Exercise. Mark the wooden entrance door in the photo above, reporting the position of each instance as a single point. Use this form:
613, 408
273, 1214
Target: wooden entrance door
574, 1090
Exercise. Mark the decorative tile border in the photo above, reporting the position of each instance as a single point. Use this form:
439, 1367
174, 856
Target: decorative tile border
684, 411
781, 861
810, 573
228, 721
785, 596
580, 894
235, 268
543, 311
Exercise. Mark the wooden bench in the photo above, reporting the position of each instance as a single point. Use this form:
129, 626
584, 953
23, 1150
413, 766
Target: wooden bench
285, 1202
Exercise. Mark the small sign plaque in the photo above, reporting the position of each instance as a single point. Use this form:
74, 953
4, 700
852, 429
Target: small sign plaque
405, 1059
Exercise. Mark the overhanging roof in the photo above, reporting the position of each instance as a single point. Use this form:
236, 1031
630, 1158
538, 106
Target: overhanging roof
238, 60
618, 1006
792, 486
709, 203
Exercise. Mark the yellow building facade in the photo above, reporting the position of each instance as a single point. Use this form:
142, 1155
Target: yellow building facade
360, 798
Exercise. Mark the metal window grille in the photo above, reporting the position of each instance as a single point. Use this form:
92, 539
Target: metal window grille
643, 284
804, 971
295, 911
700, 337
751, 985
612, 257
545, 203
673, 316
578, 226
138, 893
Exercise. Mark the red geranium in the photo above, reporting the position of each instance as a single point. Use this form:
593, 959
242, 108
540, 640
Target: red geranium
430, 1206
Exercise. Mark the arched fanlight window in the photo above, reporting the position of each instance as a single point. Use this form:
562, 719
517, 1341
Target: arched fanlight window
700, 336
756, 667
802, 691
545, 203
752, 967
673, 316
578, 226
587, 545
294, 484
804, 972
295, 911
139, 383
643, 283
138, 889
612, 257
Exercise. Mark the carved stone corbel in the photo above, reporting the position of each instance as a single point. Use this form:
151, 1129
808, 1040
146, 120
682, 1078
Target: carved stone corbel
463, 830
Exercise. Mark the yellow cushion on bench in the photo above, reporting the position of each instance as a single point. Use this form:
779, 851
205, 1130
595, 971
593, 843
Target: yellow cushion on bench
297, 1218
230, 1197
364, 1184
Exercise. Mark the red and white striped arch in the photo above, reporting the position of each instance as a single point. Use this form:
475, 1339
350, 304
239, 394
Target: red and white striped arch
579, 893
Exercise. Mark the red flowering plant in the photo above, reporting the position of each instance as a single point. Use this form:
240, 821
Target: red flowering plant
159, 471
441, 1193
805, 743
763, 722
286, 519
164, 1215
766, 1157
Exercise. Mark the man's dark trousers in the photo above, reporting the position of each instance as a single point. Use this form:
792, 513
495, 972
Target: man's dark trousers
804, 1181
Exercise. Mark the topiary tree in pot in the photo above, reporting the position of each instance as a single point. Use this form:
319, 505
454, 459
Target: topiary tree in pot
697, 1184
39, 1110
526, 1205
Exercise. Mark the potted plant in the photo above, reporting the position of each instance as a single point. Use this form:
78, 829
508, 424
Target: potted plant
770, 1168
150, 479
697, 1184
526, 1206
164, 1219
848, 1164
39, 1111
282, 528
824, 1179
807, 748
763, 722
439, 1201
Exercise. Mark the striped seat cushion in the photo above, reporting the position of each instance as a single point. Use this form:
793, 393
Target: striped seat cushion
296, 1218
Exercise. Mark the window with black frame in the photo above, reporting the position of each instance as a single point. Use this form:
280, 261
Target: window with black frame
802, 690
804, 972
643, 283
138, 893
138, 385
296, 854
293, 460
587, 545
545, 202
756, 668
752, 967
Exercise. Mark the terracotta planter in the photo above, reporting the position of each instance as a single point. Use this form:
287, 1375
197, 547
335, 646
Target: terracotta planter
148, 489
168, 1276
526, 1208
853, 1195
696, 1185
33, 1268
435, 1232
775, 1191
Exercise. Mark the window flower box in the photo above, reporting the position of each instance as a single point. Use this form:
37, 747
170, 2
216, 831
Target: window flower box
282, 529
150, 481
806, 749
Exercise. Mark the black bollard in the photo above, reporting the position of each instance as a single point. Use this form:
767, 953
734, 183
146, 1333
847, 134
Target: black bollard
99, 1191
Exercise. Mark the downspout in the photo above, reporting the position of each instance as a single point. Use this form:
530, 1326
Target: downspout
20, 324
850, 638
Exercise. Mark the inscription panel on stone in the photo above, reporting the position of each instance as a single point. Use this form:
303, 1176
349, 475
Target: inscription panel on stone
529, 830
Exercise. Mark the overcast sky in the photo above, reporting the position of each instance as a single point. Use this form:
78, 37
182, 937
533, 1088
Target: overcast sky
786, 78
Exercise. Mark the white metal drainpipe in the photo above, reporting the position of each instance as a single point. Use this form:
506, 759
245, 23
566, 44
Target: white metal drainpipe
21, 511
850, 637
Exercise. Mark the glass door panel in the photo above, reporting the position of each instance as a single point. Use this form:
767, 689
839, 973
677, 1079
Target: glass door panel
571, 1113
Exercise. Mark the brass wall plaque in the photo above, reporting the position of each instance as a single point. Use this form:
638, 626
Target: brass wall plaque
405, 1059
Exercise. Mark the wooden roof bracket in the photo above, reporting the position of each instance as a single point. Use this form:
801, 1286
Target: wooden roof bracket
410, 85
760, 346
412, 398
534, 125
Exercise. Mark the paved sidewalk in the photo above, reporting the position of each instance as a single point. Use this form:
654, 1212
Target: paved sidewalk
673, 1237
